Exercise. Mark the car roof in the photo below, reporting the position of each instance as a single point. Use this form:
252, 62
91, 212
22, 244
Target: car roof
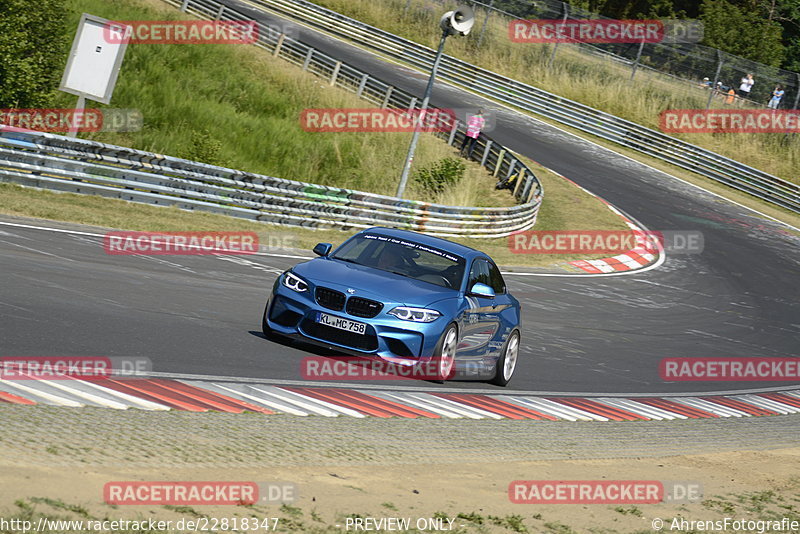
438, 242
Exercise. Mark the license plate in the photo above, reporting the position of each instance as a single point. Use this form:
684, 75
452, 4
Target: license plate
341, 324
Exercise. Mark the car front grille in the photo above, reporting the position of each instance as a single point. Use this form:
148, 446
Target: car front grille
365, 342
330, 298
361, 307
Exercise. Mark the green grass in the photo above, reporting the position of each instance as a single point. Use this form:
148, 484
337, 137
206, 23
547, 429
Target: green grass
237, 106
596, 82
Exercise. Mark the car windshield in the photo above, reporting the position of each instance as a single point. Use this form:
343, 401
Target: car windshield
404, 257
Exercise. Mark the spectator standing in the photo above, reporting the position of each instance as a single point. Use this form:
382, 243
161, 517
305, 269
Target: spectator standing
474, 127
731, 98
777, 94
746, 86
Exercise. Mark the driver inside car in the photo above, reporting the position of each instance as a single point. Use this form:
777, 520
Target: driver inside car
391, 259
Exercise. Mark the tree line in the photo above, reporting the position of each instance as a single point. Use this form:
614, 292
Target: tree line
766, 31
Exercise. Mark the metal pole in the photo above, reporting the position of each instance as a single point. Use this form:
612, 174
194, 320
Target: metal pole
565, 7
796, 102
638, 57
797, 95
425, 98
716, 79
485, 21
77, 117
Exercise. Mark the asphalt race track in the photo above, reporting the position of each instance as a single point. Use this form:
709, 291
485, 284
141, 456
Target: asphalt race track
62, 295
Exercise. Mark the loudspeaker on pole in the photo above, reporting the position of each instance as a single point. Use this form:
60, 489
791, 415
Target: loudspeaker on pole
458, 21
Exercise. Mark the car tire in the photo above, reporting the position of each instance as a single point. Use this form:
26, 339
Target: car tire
444, 356
507, 362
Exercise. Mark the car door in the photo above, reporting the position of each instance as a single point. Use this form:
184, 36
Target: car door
504, 316
481, 318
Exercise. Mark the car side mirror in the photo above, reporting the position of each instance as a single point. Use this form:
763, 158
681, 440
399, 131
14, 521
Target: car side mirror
482, 290
322, 249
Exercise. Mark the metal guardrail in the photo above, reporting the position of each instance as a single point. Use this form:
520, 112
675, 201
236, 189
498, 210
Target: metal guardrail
81, 166
528, 98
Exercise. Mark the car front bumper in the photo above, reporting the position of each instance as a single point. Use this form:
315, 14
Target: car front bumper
294, 314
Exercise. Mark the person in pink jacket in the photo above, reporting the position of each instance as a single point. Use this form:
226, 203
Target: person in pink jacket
474, 127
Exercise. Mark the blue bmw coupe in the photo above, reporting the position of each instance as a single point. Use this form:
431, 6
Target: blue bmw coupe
406, 298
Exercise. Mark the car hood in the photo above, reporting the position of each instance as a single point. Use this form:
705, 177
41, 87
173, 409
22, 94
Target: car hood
371, 283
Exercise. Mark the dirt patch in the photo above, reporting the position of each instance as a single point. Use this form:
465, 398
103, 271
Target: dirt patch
60, 470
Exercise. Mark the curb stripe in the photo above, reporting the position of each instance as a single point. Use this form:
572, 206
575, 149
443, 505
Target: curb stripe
392, 409
782, 398
212, 396
636, 407
779, 407
425, 406
239, 397
741, 406
500, 407
299, 402
141, 388
338, 398
94, 399
135, 402
330, 407
712, 407
475, 402
461, 409
48, 398
202, 396
416, 411
14, 399
682, 409
556, 410
600, 409
314, 406
277, 407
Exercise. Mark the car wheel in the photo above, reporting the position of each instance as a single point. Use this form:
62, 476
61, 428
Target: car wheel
444, 357
507, 362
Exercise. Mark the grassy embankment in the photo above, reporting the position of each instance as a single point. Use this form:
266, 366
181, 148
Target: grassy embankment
594, 81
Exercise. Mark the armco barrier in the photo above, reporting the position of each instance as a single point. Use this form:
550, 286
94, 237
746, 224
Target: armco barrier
82, 166
526, 97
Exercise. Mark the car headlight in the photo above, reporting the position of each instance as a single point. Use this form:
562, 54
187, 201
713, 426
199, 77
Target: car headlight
417, 315
294, 282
